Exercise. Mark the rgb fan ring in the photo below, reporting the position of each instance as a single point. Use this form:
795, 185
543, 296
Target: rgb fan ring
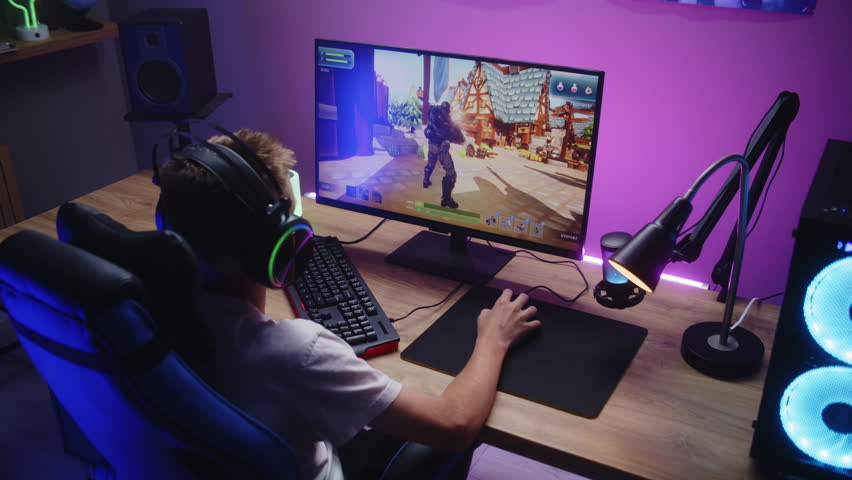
802, 407
827, 305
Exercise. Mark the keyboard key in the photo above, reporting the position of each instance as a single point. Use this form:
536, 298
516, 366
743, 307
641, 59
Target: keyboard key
333, 294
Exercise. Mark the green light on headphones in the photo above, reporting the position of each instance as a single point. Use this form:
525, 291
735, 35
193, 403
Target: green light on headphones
287, 234
30, 17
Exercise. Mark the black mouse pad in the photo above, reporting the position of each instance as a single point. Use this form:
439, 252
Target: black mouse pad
573, 362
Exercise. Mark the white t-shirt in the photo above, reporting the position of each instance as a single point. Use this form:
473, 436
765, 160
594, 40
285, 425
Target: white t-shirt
294, 376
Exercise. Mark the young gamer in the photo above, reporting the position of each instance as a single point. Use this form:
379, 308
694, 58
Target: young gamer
295, 376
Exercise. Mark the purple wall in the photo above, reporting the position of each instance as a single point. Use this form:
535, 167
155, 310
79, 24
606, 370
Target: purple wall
685, 85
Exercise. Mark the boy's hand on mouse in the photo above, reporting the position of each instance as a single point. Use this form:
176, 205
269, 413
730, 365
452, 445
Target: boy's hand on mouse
507, 321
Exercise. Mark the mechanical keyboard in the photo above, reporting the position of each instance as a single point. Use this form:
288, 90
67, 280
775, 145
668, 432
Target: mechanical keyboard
332, 293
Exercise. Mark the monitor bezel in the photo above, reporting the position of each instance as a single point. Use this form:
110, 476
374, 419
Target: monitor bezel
457, 229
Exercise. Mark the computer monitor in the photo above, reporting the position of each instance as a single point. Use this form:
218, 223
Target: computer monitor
463, 145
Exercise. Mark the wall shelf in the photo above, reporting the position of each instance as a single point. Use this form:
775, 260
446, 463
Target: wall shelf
60, 39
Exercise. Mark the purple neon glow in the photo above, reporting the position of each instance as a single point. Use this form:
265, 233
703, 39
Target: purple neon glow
665, 276
685, 85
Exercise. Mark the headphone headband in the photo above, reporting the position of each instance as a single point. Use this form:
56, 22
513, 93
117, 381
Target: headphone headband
257, 163
275, 246
253, 159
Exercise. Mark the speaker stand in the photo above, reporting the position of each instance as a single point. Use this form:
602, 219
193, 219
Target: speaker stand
205, 111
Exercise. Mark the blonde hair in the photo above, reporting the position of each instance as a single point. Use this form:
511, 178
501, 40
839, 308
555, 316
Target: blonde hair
277, 158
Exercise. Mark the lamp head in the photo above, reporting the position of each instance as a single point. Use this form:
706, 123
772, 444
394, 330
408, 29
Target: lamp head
644, 257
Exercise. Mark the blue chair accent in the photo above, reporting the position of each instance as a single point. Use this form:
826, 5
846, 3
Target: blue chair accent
166, 267
94, 331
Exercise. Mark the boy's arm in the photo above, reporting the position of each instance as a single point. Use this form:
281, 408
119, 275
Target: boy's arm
452, 420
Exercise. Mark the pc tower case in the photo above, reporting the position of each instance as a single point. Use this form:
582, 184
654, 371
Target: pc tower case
804, 425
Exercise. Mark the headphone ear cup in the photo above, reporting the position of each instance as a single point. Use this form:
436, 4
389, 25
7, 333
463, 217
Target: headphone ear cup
283, 254
160, 216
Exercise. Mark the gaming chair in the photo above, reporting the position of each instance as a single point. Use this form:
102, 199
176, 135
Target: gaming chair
95, 332
98, 331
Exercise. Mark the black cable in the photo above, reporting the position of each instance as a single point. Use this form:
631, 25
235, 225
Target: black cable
560, 297
770, 296
768, 186
686, 230
364, 237
392, 320
765, 193
554, 262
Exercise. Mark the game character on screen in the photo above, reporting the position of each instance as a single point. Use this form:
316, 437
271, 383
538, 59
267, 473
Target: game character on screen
299, 379
440, 132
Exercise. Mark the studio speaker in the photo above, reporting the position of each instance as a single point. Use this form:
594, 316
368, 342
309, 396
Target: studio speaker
804, 425
168, 61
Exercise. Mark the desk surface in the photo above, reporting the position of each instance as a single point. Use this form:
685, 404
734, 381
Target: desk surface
664, 420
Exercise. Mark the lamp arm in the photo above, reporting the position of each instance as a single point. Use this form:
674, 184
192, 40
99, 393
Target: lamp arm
744, 167
689, 248
766, 139
742, 226
722, 269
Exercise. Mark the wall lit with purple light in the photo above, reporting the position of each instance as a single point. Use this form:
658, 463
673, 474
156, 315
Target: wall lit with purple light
685, 85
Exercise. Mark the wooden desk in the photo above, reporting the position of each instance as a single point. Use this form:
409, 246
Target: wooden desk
664, 420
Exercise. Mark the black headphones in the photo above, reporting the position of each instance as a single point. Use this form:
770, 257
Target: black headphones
278, 245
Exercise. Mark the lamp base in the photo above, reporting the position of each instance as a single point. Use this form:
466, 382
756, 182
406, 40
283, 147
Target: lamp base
700, 349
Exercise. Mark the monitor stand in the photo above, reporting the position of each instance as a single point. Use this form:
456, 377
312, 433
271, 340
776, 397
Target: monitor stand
451, 256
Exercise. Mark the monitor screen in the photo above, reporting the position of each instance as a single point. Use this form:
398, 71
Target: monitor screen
495, 149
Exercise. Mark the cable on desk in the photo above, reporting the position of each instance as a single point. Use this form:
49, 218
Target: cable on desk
770, 296
748, 307
365, 236
527, 291
554, 262
560, 297
392, 320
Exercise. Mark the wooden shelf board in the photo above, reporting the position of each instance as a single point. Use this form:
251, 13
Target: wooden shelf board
60, 39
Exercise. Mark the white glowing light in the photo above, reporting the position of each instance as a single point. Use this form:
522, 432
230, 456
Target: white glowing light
665, 276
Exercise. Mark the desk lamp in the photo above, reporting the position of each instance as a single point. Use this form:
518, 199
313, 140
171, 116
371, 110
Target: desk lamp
712, 348
709, 347
31, 29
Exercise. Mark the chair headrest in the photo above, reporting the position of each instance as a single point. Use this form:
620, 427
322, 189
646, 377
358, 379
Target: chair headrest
163, 260
68, 279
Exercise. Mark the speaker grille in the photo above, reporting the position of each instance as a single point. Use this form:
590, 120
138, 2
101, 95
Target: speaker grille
159, 82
